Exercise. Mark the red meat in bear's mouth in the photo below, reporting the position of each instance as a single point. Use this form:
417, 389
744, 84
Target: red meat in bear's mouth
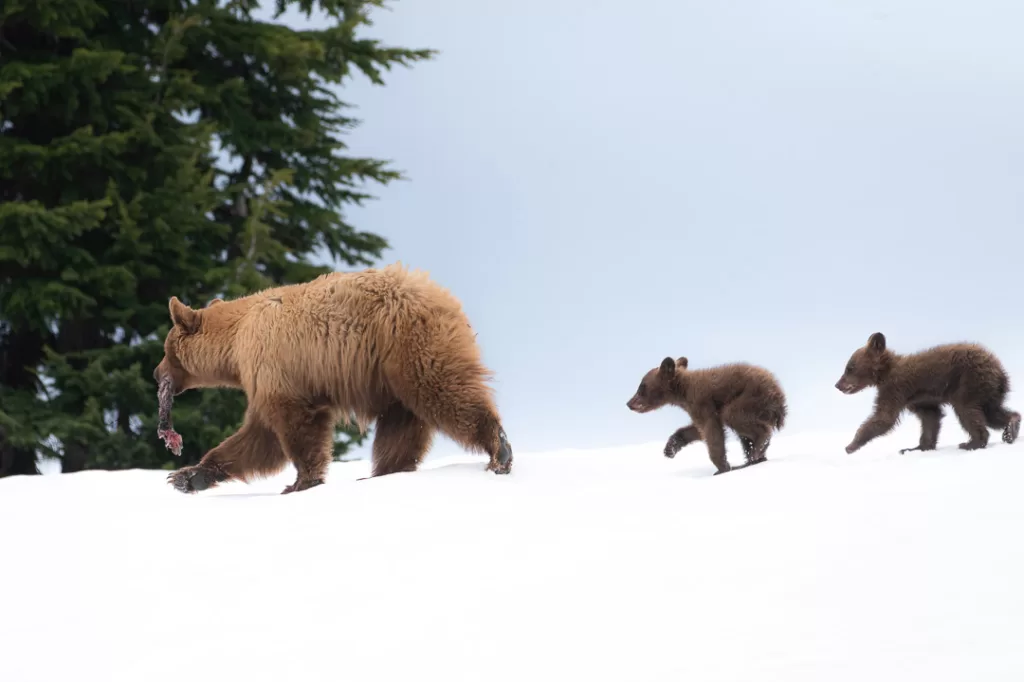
165, 429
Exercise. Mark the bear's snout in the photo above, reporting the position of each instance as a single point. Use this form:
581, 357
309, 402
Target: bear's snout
844, 386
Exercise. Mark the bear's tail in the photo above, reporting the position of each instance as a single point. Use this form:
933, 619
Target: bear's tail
780, 415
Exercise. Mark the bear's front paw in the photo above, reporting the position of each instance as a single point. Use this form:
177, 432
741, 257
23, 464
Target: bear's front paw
852, 448
190, 479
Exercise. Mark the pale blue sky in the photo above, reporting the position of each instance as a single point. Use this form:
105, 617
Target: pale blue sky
726, 180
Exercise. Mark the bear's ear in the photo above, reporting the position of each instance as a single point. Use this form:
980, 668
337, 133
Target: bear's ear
876, 342
214, 302
668, 367
183, 316
682, 362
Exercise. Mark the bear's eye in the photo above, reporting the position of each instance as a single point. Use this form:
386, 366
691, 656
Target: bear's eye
849, 368
641, 391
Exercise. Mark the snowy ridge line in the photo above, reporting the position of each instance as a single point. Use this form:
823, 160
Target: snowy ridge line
611, 564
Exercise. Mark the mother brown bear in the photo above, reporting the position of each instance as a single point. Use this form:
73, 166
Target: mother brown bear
388, 345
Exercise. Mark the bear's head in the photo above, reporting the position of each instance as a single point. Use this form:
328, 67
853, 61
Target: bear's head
658, 386
866, 366
190, 361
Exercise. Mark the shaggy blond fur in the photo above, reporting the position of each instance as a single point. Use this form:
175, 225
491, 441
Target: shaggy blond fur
382, 344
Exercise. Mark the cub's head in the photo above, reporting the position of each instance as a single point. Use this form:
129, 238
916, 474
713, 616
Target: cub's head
184, 362
658, 386
865, 366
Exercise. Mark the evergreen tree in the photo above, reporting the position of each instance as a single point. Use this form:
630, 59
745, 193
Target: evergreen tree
112, 201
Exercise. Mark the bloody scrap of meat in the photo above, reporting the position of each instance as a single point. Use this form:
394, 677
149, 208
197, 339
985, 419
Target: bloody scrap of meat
165, 429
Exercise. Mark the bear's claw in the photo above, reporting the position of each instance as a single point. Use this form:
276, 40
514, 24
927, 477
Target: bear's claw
193, 479
187, 480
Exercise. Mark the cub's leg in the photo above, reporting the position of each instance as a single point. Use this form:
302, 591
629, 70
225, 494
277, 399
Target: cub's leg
754, 433
931, 421
714, 438
680, 439
972, 419
401, 442
882, 421
759, 444
998, 417
252, 451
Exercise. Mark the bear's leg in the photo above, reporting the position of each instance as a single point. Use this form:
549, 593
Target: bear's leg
760, 443
930, 415
680, 439
998, 417
972, 418
480, 430
251, 451
755, 439
306, 434
714, 438
445, 388
754, 434
401, 442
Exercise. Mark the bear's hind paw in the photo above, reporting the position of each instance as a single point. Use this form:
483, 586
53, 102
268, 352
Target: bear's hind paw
301, 485
497, 467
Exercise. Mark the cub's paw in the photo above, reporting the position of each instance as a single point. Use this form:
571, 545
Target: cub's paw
852, 448
1012, 430
191, 479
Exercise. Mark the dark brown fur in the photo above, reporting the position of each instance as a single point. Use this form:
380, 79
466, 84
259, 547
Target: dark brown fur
746, 398
386, 345
964, 375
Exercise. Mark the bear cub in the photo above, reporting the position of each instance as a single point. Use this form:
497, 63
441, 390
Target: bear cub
964, 375
746, 398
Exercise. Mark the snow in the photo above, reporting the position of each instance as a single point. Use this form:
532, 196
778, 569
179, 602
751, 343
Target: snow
614, 564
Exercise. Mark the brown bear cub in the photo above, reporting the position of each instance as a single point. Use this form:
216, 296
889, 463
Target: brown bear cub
964, 375
388, 345
746, 398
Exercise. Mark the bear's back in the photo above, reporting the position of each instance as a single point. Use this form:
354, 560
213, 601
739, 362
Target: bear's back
337, 334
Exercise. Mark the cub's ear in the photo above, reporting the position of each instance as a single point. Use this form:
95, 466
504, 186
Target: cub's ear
183, 316
682, 362
214, 302
668, 367
876, 342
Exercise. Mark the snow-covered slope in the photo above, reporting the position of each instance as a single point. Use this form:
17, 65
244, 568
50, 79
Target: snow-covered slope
606, 565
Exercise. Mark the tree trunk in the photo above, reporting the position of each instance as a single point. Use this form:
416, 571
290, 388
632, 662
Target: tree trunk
19, 353
74, 459
16, 461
